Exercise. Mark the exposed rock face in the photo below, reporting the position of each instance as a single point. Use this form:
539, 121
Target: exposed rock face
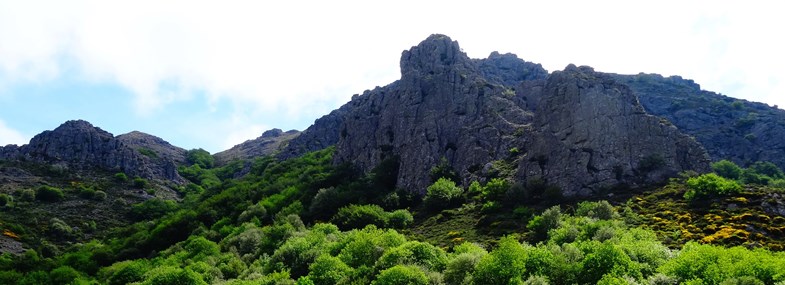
269, 143
592, 133
741, 131
160, 148
80, 145
441, 107
588, 132
324, 132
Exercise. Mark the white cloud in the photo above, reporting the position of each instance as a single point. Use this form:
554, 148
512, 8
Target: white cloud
303, 58
11, 136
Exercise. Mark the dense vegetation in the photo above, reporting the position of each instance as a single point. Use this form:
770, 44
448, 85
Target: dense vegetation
306, 221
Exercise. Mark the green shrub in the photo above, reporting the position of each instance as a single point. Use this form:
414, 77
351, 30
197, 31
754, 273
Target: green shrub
607, 258
28, 195
550, 219
710, 184
401, 274
400, 219
328, 270
767, 168
415, 253
86, 192
444, 170
460, 268
744, 280
63, 275
5, 199
121, 177
140, 182
153, 208
168, 275
443, 194
599, 210
99, 195
200, 157
495, 189
504, 265
359, 216
727, 169
48, 194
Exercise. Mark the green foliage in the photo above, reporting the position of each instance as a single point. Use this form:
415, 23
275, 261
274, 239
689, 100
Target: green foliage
328, 270
153, 208
5, 199
495, 189
169, 275
443, 194
444, 170
414, 253
140, 182
599, 210
121, 177
359, 216
63, 275
401, 274
200, 157
708, 185
400, 219
607, 258
550, 219
504, 265
767, 168
147, 152
714, 264
727, 169
28, 195
49, 194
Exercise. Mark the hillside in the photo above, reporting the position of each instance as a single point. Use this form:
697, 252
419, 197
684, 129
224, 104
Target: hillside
463, 171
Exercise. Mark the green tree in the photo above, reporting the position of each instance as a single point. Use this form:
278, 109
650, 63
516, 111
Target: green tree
359, 216
727, 169
504, 265
401, 274
200, 157
710, 184
443, 194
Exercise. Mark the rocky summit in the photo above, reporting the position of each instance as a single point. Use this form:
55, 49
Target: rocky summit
79, 145
577, 129
269, 143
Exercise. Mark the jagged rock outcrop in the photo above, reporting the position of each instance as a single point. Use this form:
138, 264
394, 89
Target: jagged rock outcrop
269, 143
502, 116
592, 133
441, 107
324, 132
80, 145
152, 146
729, 128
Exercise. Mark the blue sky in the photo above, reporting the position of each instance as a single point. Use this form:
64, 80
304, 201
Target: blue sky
211, 75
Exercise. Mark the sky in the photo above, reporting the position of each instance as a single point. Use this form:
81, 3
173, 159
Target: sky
212, 74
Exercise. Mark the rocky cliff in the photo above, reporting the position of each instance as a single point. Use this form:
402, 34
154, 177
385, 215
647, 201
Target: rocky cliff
729, 128
502, 116
271, 142
591, 133
80, 145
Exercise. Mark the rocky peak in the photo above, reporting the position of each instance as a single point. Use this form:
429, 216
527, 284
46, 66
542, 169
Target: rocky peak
80, 145
153, 146
434, 55
509, 70
272, 133
502, 116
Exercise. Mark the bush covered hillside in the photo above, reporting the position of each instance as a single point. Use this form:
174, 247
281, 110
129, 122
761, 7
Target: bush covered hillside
307, 221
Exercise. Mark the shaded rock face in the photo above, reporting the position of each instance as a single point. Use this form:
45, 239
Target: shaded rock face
80, 145
441, 107
738, 130
592, 134
270, 143
577, 129
324, 132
